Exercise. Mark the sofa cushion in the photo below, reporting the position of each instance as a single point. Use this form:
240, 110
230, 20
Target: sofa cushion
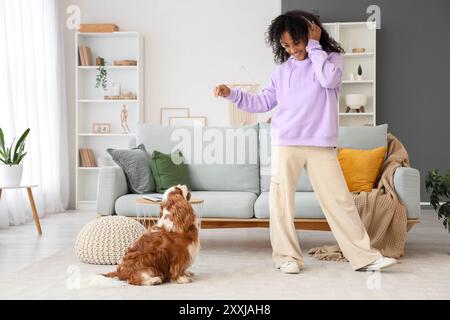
166, 173
226, 204
217, 204
136, 165
205, 150
363, 137
306, 206
361, 167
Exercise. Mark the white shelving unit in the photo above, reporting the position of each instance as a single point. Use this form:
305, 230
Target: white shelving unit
357, 35
91, 107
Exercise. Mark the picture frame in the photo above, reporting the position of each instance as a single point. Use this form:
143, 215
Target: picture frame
188, 121
166, 112
102, 128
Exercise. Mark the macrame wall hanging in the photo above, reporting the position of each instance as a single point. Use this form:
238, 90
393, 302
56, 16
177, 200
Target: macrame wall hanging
237, 117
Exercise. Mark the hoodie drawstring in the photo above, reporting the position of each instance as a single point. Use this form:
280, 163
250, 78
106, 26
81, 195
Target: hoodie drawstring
290, 74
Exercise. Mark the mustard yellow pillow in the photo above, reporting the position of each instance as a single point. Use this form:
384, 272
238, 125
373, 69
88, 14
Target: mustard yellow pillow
361, 167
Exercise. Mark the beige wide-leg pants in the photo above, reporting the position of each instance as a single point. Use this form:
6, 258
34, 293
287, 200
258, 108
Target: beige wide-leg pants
333, 195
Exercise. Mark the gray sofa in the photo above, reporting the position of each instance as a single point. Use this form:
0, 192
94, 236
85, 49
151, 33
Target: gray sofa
236, 194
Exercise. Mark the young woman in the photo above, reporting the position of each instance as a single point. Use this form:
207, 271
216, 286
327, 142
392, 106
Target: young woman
304, 130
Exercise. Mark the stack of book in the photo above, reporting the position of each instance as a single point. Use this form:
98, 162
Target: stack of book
87, 158
84, 56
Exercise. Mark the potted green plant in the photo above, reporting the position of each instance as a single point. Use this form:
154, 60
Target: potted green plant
359, 74
102, 75
438, 186
11, 167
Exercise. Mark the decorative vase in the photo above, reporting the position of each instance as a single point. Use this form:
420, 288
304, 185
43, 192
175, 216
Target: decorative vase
356, 102
359, 77
10, 176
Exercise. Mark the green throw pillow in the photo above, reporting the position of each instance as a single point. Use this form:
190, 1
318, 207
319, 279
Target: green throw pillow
166, 173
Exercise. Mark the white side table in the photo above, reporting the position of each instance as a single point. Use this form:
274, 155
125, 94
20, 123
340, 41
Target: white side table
32, 204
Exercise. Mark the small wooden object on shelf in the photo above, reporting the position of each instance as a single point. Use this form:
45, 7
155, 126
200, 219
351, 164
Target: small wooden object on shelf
104, 128
125, 62
98, 27
359, 50
99, 61
123, 96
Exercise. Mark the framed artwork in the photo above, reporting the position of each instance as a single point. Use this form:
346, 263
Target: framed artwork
101, 128
165, 113
188, 121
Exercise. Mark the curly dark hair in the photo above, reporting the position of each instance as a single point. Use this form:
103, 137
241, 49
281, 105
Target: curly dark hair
295, 24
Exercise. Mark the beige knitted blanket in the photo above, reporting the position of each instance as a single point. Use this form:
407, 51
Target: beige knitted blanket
382, 213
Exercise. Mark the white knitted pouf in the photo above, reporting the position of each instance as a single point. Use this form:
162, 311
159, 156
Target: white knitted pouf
105, 240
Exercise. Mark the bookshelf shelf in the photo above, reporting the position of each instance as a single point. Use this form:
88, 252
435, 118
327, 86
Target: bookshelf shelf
107, 101
118, 34
106, 135
356, 114
357, 81
359, 55
94, 68
92, 108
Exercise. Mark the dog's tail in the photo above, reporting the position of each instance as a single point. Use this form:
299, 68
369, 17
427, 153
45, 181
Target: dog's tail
106, 280
111, 274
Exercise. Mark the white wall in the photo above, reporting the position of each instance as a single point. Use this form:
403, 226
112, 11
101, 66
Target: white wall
190, 46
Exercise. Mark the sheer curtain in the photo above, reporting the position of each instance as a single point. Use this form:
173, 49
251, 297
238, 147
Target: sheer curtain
32, 96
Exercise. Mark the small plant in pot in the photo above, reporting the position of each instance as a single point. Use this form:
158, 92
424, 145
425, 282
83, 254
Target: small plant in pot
438, 186
359, 74
102, 76
11, 167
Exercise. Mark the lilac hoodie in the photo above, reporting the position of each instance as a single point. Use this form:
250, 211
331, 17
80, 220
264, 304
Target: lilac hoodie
307, 93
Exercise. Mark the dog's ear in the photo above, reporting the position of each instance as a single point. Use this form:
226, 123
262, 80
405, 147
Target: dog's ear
183, 216
178, 190
188, 197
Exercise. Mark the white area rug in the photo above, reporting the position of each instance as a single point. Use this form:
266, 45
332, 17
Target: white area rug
237, 264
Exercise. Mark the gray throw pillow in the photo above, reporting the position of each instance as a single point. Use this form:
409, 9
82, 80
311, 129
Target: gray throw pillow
136, 165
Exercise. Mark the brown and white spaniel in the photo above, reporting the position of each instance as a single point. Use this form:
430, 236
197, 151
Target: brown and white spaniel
167, 249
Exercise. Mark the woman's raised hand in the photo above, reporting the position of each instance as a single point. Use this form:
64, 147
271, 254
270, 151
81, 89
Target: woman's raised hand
222, 91
314, 31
